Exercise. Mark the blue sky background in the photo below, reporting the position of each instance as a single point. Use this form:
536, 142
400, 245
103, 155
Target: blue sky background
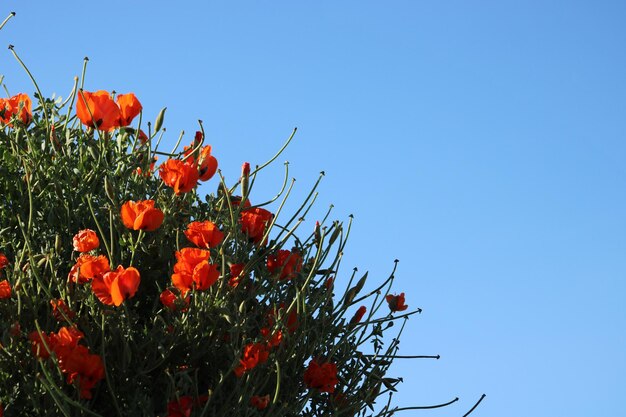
482, 144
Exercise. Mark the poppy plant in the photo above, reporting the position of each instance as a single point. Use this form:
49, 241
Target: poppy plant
85, 240
114, 287
141, 215
396, 302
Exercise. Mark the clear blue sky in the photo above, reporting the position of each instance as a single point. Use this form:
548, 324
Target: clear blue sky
481, 143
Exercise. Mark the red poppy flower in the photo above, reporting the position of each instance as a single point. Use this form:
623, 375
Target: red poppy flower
235, 274
19, 105
85, 240
179, 175
254, 221
141, 215
358, 315
204, 234
114, 287
97, 110
322, 377
396, 302
168, 298
260, 403
4, 261
129, 108
273, 339
253, 354
285, 263
181, 407
60, 310
5, 289
193, 270
88, 267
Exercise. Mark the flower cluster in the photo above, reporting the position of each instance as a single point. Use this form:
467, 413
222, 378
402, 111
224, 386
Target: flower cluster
185, 305
75, 361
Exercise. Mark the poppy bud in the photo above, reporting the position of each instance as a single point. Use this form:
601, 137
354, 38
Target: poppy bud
57, 243
245, 176
335, 234
159, 120
317, 234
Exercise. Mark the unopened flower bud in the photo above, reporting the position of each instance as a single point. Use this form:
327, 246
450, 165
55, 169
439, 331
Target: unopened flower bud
159, 120
108, 189
245, 179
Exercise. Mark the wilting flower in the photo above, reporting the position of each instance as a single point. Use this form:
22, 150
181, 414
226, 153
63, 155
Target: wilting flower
141, 215
88, 267
193, 270
129, 108
85, 240
254, 221
19, 105
358, 315
322, 377
114, 287
396, 302
253, 354
285, 263
204, 234
98, 110
5, 289
179, 175
260, 403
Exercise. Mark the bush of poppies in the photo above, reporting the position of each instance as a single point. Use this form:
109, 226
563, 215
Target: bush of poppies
126, 292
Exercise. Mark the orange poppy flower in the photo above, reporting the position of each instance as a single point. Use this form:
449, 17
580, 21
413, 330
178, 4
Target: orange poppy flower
129, 108
253, 354
114, 287
260, 403
322, 377
141, 215
85, 240
97, 110
204, 234
19, 105
287, 264
5, 289
88, 267
179, 175
254, 221
396, 302
207, 164
193, 270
